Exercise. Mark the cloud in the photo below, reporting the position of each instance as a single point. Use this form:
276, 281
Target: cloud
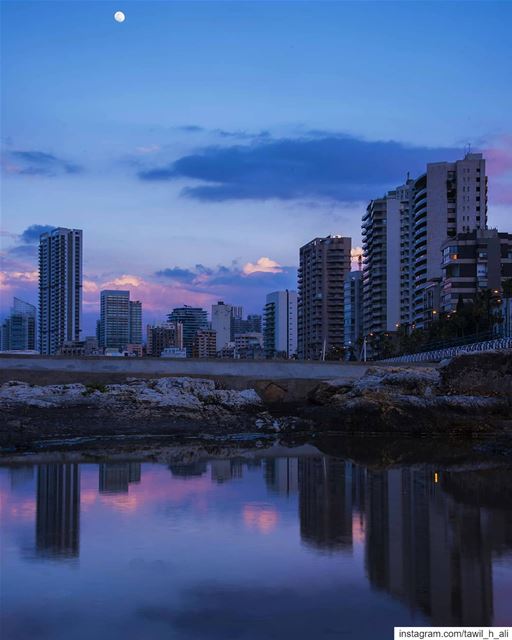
32, 234
263, 273
178, 274
356, 255
262, 265
333, 167
499, 169
37, 163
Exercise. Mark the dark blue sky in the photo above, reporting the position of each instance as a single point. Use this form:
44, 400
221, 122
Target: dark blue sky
217, 134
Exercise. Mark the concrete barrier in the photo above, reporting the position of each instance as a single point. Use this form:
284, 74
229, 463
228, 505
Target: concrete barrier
148, 367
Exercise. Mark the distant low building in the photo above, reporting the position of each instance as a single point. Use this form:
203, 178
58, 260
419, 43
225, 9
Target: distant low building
173, 352
251, 324
249, 346
18, 331
92, 347
204, 344
227, 352
163, 336
72, 348
134, 350
192, 319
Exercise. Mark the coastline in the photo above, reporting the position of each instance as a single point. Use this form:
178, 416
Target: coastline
467, 397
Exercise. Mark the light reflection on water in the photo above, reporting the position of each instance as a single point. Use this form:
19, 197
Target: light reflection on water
297, 547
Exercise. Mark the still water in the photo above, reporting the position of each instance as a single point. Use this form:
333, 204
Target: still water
275, 547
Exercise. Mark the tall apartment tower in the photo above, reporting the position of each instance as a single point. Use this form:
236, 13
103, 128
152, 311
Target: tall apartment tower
120, 321
222, 315
280, 330
388, 260
192, 319
353, 310
18, 331
450, 198
324, 262
135, 336
114, 319
60, 288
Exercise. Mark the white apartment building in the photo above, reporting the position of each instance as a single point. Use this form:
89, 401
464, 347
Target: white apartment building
60, 289
280, 330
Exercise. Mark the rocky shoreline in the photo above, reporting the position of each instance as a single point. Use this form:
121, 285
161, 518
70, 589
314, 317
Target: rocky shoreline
468, 396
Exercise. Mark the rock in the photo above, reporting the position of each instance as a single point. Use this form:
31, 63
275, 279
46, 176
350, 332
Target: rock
488, 373
324, 392
273, 393
190, 394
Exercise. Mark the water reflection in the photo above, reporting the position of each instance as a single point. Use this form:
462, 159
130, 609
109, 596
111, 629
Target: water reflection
116, 477
428, 539
325, 503
58, 510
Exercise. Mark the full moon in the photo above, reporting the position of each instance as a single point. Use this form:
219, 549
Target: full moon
119, 16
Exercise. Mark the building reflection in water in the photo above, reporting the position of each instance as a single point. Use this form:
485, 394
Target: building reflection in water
58, 510
428, 550
282, 475
429, 538
325, 503
188, 470
115, 477
20, 476
429, 544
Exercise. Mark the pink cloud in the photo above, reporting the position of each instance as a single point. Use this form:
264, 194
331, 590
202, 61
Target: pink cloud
499, 156
499, 168
262, 265
156, 298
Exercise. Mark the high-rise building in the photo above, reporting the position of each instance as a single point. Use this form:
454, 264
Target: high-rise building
163, 336
204, 344
280, 331
324, 262
121, 320
403, 235
353, 310
115, 319
60, 288
135, 322
18, 332
450, 198
192, 319
387, 258
252, 324
472, 262
222, 316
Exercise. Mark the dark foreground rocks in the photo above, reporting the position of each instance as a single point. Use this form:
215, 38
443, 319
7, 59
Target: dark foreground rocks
466, 397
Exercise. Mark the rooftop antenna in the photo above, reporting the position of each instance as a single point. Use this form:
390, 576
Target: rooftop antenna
468, 148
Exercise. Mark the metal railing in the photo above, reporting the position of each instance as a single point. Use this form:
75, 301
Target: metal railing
498, 344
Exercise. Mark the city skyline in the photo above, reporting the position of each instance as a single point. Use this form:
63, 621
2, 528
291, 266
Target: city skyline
192, 197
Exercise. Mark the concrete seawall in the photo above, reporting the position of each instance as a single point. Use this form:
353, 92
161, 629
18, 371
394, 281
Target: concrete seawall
267, 369
275, 381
